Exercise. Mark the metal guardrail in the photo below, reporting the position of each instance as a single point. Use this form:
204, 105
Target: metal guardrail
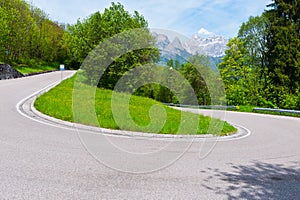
280, 111
215, 107
221, 107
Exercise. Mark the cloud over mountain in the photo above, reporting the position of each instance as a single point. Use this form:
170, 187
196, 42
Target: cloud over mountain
203, 31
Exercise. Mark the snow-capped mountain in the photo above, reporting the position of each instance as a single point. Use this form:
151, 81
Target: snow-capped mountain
174, 50
213, 46
162, 40
203, 43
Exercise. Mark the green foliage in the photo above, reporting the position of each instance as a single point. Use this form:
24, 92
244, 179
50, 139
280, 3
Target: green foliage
283, 55
162, 91
175, 64
109, 44
197, 71
198, 76
126, 62
253, 35
28, 37
262, 65
27, 34
86, 35
236, 73
245, 108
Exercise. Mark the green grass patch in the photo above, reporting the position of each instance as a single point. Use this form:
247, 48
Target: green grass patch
245, 108
24, 69
145, 115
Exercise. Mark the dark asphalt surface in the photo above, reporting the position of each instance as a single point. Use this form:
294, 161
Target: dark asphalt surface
38, 161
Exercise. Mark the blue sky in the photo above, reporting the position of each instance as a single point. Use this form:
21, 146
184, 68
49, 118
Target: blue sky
222, 17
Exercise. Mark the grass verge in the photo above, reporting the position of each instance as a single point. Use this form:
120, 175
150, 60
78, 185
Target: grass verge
245, 108
278, 113
30, 70
250, 109
58, 103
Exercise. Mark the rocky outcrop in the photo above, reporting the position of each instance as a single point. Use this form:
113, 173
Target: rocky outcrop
7, 72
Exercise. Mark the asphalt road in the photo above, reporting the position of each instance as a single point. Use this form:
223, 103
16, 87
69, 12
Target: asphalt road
39, 161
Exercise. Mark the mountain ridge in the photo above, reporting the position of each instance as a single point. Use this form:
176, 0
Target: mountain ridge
211, 45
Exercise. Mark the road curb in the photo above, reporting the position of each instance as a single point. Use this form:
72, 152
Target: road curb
26, 108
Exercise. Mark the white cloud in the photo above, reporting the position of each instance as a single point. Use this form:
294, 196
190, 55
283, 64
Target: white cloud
203, 31
185, 16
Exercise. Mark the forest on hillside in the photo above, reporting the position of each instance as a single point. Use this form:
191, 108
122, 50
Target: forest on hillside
261, 66
28, 36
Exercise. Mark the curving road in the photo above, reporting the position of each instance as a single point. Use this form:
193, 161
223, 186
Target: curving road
39, 161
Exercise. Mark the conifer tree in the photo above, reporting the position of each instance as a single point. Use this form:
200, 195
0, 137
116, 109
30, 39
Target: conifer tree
283, 44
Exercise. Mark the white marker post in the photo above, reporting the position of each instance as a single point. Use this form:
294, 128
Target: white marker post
62, 68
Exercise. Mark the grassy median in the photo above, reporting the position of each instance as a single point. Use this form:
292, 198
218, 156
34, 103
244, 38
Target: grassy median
58, 103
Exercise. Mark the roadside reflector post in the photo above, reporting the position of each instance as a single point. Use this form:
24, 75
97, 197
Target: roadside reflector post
61, 68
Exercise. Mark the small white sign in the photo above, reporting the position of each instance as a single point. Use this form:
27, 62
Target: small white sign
62, 67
